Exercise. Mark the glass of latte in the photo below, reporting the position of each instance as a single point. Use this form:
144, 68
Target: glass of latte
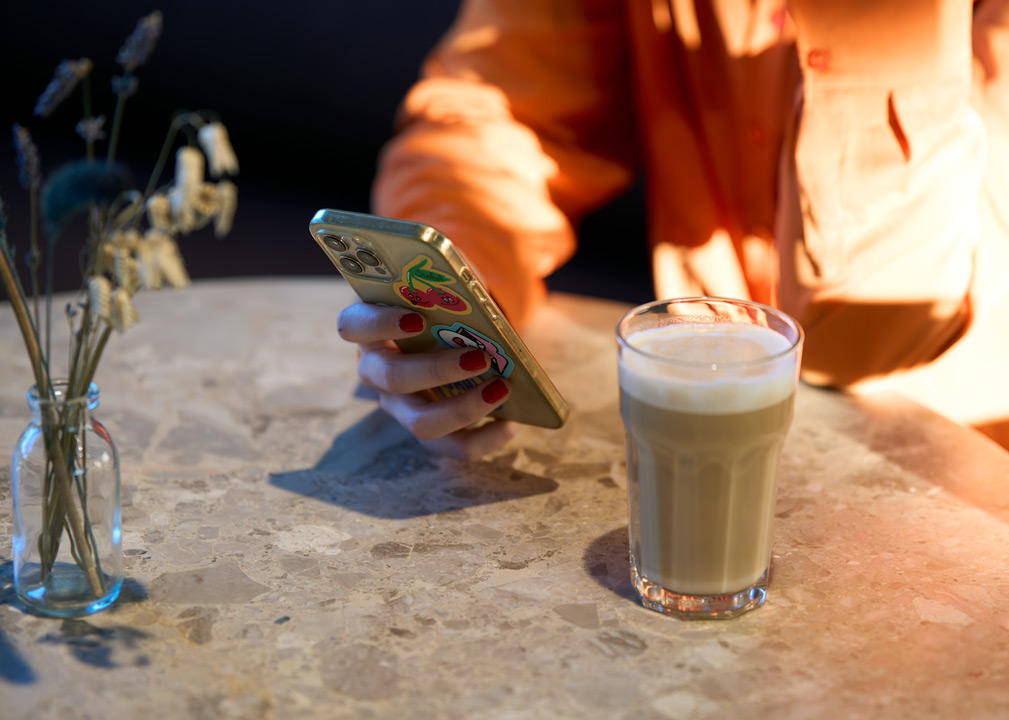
706, 395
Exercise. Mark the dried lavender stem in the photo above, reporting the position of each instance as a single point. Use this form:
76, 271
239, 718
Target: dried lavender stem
117, 121
86, 95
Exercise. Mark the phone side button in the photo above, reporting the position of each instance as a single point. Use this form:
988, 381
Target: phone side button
466, 276
484, 301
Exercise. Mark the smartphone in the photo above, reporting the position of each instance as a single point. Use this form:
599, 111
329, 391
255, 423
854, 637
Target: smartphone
411, 265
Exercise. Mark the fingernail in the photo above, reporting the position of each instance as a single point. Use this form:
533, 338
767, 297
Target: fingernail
495, 392
473, 360
411, 323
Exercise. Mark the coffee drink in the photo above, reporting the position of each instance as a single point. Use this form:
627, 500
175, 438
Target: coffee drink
706, 407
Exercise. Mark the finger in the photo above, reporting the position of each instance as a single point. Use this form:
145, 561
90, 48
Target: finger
364, 323
391, 371
432, 419
473, 444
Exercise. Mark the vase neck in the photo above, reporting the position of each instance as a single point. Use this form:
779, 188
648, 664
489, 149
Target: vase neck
60, 401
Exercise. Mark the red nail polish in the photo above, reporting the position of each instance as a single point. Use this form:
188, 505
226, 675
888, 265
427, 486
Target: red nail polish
411, 323
473, 360
495, 392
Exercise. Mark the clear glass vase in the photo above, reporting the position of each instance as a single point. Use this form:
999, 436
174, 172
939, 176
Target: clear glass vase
68, 555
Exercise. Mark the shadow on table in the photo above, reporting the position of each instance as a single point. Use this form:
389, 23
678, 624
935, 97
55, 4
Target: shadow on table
965, 464
606, 560
377, 468
14, 668
88, 643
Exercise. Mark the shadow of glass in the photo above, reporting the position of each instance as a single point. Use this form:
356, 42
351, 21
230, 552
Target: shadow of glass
606, 560
377, 468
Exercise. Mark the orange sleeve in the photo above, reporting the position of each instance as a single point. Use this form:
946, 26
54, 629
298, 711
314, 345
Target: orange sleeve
520, 124
877, 261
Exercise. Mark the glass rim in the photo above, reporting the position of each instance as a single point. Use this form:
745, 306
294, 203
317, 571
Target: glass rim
787, 319
89, 396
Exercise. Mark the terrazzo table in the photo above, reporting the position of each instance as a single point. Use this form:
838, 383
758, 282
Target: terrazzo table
292, 553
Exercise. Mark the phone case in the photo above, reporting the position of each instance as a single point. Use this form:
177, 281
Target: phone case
396, 262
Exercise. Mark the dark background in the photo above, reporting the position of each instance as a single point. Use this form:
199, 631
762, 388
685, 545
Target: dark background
308, 90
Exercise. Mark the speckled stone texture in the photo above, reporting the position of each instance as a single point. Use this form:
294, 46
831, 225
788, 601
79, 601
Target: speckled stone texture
293, 553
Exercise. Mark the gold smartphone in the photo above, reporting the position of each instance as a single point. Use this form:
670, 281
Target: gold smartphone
411, 265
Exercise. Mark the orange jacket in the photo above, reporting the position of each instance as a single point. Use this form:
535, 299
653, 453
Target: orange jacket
834, 159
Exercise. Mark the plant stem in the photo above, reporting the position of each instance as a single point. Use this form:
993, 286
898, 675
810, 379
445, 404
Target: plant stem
173, 129
117, 120
28, 331
64, 486
35, 259
86, 95
53, 449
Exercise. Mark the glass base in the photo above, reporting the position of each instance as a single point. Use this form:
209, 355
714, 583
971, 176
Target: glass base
698, 607
65, 592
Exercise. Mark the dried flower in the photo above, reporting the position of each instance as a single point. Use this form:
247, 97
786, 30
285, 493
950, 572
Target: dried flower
147, 259
128, 240
124, 314
205, 203
127, 276
188, 180
67, 77
183, 215
115, 260
213, 138
29, 166
140, 44
169, 260
107, 257
77, 186
159, 212
188, 169
99, 296
125, 85
227, 197
92, 129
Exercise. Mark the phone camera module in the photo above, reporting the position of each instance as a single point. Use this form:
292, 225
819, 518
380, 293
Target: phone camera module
368, 258
351, 265
335, 243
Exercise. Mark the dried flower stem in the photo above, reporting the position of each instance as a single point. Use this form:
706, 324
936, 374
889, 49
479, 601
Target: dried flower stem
117, 121
53, 448
86, 95
36, 256
28, 330
178, 122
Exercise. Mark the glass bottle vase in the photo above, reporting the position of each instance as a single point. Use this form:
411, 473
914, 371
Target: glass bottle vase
67, 547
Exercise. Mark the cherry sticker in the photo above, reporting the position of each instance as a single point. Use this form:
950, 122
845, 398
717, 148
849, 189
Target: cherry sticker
424, 287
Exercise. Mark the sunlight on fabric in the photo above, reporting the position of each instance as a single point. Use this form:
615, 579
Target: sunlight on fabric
477, 38
709, 269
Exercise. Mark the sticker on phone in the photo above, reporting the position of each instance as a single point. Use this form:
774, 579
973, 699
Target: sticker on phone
459, 335
424, 287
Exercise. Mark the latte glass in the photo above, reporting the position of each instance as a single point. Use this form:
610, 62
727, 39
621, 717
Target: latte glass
706, 394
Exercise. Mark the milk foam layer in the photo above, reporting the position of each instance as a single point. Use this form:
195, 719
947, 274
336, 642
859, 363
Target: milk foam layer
710, 383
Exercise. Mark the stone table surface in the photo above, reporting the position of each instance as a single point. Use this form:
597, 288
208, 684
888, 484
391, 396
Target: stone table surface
292, 553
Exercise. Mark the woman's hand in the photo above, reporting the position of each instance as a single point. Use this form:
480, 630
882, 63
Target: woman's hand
443, 426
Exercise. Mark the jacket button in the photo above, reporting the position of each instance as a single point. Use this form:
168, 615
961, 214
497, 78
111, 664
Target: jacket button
818, 59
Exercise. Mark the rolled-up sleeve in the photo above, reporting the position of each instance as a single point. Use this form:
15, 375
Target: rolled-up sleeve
518, 127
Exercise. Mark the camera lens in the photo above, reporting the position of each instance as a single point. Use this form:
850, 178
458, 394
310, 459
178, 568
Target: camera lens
335, 243
351, 265
368, 258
